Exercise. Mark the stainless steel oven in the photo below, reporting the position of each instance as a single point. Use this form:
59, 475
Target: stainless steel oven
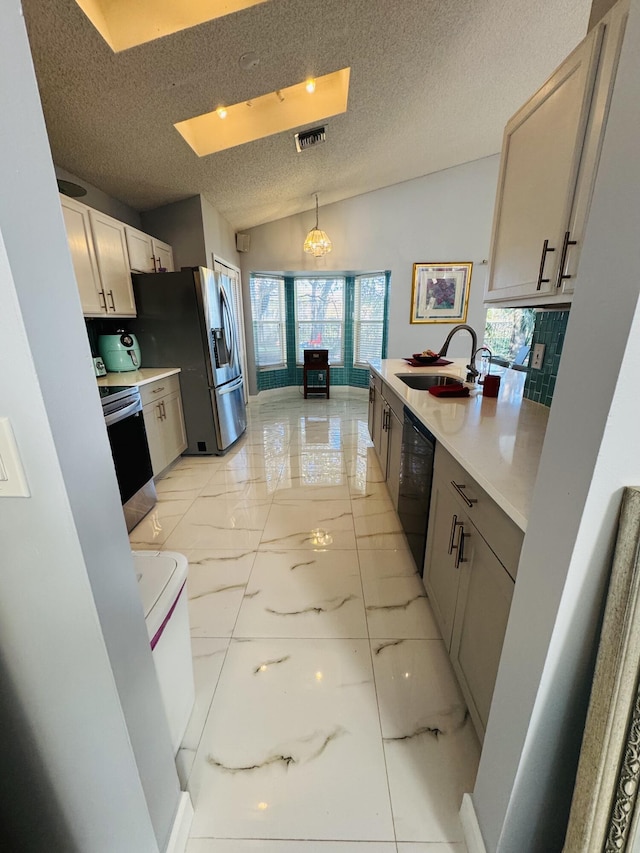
123, 416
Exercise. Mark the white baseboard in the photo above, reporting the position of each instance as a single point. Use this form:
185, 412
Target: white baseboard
470, 826
181, 825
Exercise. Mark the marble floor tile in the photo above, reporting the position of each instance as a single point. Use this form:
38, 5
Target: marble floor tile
235, 483
208, 656
155, 528
291, 748
382, 565
398, 607
219, 523
431, 747
228, 845
377, 525
216, 583
312, 485
309, 524
303, 594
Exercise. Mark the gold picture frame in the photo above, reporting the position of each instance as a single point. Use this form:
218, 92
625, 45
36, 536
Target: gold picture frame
440, 292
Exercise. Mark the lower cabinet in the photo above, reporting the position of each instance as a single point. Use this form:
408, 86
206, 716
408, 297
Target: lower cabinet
385, 429
163, 421
471, 562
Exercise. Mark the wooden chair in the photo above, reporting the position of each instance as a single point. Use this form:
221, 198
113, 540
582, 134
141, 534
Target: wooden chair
316, 361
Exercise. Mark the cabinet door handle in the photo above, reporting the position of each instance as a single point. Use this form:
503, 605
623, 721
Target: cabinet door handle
159, 414
157, 390
159, 263
454, 524
103, 299
546, 248
110, 295
164, 411
459, 487
459, 548
563, 258
153, 258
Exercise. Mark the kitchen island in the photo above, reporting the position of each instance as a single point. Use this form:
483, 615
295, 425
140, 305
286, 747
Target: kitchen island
485, 460
498, 441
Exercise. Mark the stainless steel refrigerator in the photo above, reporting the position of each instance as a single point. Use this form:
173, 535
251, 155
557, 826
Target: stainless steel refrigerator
186, 320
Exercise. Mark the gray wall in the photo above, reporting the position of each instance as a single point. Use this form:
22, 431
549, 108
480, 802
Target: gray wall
101, 201
195, 230
219, 236
73, 642
590, 453
180, 225
446, 216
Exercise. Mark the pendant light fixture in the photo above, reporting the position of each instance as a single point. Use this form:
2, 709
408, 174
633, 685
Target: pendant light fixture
317, 242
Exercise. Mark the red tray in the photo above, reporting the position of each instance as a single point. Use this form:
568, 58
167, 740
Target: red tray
439, 363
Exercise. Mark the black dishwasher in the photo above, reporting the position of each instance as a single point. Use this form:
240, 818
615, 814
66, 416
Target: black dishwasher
416, 474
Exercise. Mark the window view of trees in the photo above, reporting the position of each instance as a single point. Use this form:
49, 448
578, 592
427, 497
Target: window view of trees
320, 317
368, 314
508, 330
269, 316
314, 309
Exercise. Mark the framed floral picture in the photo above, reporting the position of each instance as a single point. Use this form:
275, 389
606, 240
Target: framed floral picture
440, 292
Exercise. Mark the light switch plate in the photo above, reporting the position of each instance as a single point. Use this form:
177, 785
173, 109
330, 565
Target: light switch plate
537, 356
13, 483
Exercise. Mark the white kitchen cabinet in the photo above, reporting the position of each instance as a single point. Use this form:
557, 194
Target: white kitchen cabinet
146, 253
163, 254
164, 421
470, 567
140, 249
113, 264
85, 266
550, 154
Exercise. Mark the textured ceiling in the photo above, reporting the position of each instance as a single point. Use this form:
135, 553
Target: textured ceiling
432, 84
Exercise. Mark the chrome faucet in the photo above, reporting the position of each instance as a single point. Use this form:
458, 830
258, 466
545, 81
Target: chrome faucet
471, 368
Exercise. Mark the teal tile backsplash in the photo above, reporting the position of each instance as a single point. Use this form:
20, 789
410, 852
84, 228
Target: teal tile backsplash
550, 328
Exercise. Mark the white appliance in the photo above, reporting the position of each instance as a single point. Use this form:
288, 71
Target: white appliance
162, 577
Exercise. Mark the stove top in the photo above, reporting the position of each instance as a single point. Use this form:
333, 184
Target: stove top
109, 390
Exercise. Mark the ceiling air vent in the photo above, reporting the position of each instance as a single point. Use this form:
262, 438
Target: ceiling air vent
308, 138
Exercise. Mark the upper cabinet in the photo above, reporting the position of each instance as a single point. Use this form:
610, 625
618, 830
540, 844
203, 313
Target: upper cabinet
104, 251
146, 254
85, 266
550, 155
113, 264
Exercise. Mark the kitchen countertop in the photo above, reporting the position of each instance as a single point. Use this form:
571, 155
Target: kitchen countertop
497, 440
129, 378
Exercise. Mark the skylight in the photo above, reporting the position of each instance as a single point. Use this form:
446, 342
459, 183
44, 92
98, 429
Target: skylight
123, 24
228, 126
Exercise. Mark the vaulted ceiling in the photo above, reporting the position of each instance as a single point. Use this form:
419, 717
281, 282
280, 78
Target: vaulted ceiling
432, 84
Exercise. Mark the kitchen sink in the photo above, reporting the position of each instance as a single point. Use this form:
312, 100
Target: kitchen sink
424, 382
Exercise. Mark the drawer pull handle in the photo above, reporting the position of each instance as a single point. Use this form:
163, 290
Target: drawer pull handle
459, 548
563, 258
546, 248
459, 487
157, 390
454, 524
